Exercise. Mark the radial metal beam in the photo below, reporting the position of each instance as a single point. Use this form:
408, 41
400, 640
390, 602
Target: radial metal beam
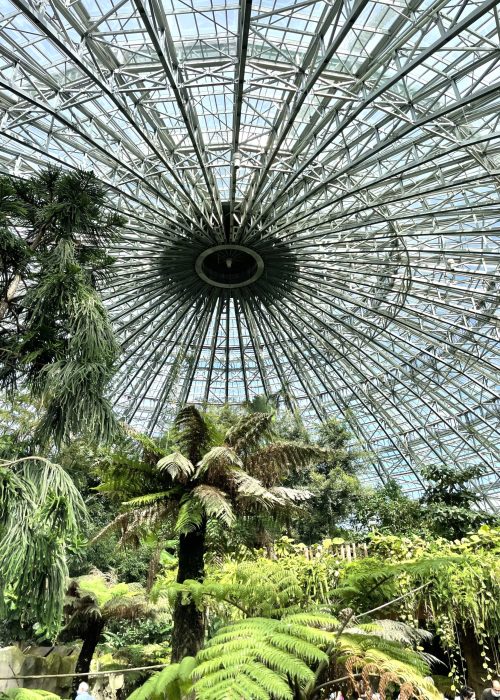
156, 23
52, 33
305, 81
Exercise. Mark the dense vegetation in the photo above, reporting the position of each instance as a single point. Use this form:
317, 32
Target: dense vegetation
220, 549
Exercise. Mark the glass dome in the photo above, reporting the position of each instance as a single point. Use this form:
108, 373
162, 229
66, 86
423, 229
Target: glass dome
312, 195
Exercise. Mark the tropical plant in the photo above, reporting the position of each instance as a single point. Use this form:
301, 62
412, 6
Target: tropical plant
92, 602
208, 477
56, 336
269, 639
333, 482
453, 502
27, 694
41, 512
388, 509
14, 252
292, 655
460, 600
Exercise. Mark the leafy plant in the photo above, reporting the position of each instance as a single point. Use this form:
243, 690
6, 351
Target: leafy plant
91, 603
453, 502
27, 694
57, 336
40, 515
286, 658
210, 476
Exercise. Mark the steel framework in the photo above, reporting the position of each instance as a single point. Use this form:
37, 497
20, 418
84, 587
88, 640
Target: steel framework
351, 145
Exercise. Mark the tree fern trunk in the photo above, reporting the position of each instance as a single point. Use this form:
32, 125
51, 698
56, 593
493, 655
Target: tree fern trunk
189, 622
90, 641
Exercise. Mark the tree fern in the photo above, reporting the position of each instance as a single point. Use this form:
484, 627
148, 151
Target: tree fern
204, 481
249, 431
171, 683
176, 466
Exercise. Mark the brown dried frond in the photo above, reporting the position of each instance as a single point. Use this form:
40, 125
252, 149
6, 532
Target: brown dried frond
385, 679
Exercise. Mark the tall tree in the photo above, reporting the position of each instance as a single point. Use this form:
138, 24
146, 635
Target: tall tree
453, 502
56, 335
207, 477
333, 482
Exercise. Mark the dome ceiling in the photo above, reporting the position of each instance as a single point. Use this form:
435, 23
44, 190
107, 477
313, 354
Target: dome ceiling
312, 195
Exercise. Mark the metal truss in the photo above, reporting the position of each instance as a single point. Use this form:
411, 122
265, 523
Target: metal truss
353, 144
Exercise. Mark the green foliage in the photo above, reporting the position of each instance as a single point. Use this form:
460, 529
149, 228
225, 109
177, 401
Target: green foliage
388, 509
260, 587
453, 501
112, 599
464, 588
174, 682
271, 658
216, 487
333, 482
40, 515
27, 694
58, 338
137, 634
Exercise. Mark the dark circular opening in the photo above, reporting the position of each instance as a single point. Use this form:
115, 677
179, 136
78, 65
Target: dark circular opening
229, 266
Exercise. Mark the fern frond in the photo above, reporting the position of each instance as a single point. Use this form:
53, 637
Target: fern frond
193, 433
169, 684
190, 516
312, 619
176, 466
383, 651
250, 488
148, 499
248, 431
215, 503
287, 496
136, 521
217, 462
393, 630
149, 445
272, 462
271, 652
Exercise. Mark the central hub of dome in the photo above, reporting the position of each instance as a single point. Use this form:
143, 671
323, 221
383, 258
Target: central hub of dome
229, 265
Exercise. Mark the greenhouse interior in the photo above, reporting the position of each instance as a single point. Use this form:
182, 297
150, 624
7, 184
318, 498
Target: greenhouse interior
249, 350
